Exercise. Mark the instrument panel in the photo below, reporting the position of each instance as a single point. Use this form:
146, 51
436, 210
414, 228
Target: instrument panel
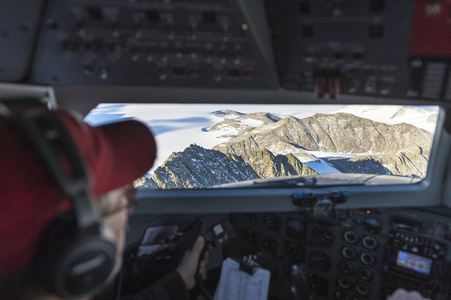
157, 43
350, 254
374, 48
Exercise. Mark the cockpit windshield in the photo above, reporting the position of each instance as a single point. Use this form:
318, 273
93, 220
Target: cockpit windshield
209, 145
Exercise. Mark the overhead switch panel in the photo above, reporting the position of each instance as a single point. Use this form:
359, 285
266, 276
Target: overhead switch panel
333, 47
154, 43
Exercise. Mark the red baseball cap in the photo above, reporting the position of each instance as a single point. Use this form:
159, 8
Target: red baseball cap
115, 154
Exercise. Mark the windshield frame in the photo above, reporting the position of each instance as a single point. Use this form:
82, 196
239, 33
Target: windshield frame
425, 193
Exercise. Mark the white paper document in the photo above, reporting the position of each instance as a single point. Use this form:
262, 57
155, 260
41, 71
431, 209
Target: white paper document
235, 284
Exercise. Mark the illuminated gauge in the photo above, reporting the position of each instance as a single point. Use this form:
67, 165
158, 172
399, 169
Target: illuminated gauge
318, 284
323, 236
270, 245
344, 283
348, 253
346, 268
351, 237
365, 274
367, 259
319, 261
272, 221
249, 236
370, 242
251, 218
294, 252
295, 229
373, 225
362, 289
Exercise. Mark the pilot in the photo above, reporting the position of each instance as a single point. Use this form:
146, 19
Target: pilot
58, 240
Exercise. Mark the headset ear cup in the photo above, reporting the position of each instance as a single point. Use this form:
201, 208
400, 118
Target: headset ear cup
74, 263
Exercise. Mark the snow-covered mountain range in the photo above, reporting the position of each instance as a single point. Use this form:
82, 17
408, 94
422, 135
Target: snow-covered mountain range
395, 114
280, 140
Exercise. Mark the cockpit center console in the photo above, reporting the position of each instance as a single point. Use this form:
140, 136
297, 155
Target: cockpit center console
353, 254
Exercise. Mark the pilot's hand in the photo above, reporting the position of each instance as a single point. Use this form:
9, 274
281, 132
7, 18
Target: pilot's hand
401, 294
188, 267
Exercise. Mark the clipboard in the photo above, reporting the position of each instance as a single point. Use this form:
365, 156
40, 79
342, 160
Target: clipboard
242, 279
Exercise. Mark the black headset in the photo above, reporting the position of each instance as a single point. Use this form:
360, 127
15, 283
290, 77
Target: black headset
76, 253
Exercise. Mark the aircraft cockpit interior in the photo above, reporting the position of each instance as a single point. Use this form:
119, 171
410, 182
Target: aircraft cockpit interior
309, 139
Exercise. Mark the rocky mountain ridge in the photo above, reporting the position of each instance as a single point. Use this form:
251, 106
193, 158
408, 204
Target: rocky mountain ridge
394, 114
196, 167
236, 123
261, 145
338, 133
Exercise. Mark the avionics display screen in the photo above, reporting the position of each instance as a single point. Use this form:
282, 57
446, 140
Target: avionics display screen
414, 262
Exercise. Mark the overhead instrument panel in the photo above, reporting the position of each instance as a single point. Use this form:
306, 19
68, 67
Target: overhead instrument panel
217, 44
350, 47
376, 48
19, 23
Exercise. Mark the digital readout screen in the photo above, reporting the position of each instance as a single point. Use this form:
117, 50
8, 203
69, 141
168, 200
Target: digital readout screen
414, 262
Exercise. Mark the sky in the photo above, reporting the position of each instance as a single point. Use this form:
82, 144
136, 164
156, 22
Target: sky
176, 126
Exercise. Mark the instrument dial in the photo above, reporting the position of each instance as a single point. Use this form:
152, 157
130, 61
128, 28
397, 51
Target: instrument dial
294, 252
272, 221
318, 284
340, 295
373, 225
249, 236
251, 218
346, 268
370, 242
270, 245
323, 236
367, 259
344, 283
362, 289
351, 237
365, 274
320, 261
348, 252
296, 229
347, 222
